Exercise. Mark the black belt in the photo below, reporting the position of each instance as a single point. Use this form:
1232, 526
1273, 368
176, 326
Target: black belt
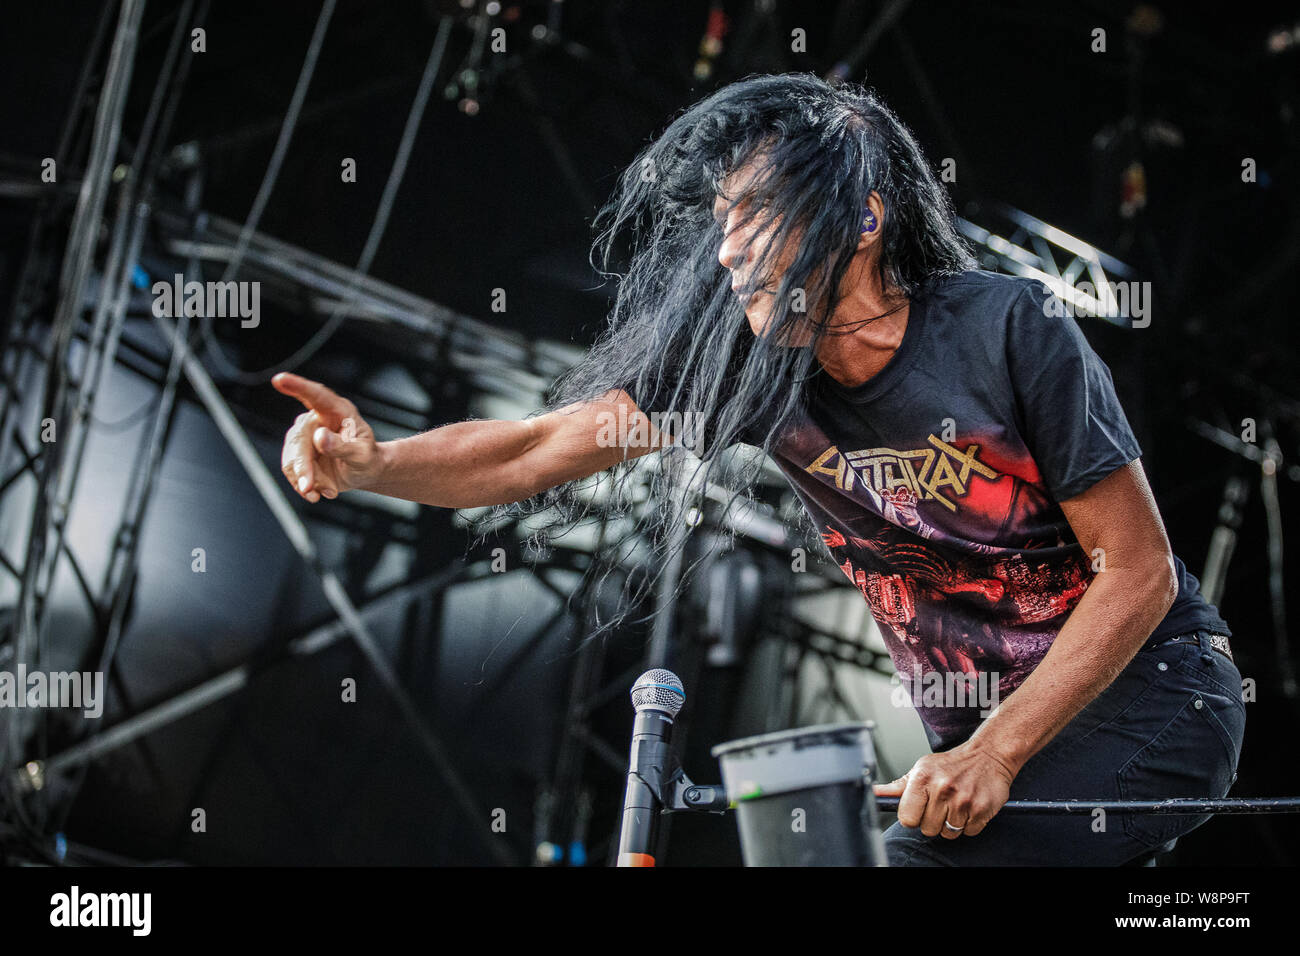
1216, 642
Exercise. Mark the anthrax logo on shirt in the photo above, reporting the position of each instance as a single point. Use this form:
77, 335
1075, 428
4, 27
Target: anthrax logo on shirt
924, 471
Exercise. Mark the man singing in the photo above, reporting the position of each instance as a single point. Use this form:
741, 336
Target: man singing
796, 283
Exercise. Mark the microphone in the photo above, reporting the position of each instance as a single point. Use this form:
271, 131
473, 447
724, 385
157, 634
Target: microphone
657, 696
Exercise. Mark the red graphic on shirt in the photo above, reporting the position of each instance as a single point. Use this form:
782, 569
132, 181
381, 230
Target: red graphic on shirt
967, 564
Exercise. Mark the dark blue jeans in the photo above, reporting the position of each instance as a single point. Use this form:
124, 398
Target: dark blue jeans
1170, 725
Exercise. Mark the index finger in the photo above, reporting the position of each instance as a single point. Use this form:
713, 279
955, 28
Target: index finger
913, 803
319, 398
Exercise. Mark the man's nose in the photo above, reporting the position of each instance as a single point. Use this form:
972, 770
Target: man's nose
732, 251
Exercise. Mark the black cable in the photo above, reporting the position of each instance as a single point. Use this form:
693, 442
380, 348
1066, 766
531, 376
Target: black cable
339, 313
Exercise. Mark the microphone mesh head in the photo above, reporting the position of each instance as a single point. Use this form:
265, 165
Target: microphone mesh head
658, 690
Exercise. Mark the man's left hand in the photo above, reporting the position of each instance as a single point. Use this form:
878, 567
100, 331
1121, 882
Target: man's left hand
965, 787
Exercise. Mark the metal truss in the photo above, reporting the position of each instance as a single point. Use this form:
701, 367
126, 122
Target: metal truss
1062, 262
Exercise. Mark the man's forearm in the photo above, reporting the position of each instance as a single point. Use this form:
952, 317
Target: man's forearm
1108, 626
462, 465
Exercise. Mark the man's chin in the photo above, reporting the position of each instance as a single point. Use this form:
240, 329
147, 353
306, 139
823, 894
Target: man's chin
759, 319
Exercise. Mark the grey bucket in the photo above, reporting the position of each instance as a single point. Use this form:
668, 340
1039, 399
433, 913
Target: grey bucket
803, 797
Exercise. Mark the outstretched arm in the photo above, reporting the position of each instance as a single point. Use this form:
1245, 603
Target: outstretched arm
330, 449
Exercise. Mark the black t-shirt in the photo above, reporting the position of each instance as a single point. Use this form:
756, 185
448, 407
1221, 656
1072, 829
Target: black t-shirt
936, 486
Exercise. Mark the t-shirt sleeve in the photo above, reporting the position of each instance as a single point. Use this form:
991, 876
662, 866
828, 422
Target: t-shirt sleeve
1070, 417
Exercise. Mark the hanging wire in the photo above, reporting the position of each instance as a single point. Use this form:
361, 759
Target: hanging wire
272, 169
388, 199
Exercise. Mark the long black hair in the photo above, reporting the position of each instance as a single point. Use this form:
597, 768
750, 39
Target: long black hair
677, 330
